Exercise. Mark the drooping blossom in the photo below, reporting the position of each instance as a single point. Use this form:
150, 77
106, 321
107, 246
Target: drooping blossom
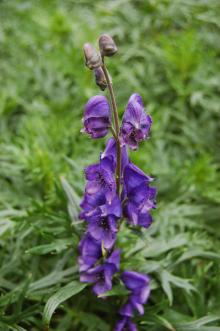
101, 178
90, 252
102, 221
125, 324
136, 123
140, 197
139, 285
101, 275
97, 117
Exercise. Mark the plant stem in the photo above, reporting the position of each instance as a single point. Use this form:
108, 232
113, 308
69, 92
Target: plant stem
117, 127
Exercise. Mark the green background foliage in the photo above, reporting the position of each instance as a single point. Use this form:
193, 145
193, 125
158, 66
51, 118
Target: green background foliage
169, 53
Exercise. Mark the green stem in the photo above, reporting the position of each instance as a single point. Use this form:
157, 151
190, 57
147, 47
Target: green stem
117, 128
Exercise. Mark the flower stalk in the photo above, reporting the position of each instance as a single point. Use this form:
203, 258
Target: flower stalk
116, 125
115, 189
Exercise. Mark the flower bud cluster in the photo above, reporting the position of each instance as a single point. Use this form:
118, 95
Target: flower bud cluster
94, 59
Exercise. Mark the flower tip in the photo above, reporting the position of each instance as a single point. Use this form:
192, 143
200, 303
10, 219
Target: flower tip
92, 57
107, 45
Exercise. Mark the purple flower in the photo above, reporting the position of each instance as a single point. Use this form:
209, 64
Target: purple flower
139, 195
102, 222
101, 178
140, 202
102, 275
125, 324
135, 123
110, 151
97, 117
134, 177
90, 252
139, 285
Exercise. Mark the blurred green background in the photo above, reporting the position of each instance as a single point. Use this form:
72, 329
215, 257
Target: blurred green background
169, 52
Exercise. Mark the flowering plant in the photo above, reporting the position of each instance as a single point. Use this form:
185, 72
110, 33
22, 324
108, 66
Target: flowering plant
115, 189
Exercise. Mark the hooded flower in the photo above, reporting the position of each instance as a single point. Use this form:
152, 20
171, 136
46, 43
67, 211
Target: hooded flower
139, 285
125, 324
102, 275
134, 177
97, 117
136, 123
102, 222
139, 195
90, 252
110, 151
101, 178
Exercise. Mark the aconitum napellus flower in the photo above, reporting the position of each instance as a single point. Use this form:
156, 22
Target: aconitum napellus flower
102, 221
115, 188
101, 275
101, 178
139, 285
90, 252
97, 117
125, 324
136, 123
140, 197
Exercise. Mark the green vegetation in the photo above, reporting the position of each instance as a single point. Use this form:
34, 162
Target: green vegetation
169, 52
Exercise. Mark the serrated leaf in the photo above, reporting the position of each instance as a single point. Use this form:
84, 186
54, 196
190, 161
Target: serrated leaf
62, 295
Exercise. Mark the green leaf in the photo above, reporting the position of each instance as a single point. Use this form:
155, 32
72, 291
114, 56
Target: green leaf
167, 278
73, 199
118, 290
53, 248
62, 295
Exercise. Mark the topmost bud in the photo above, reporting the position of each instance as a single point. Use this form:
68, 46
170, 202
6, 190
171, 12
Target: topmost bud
92, 57
107, 45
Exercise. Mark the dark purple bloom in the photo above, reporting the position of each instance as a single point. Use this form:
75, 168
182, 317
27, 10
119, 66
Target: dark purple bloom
110, 151
102, 222
101, 178
139, 195
139, 205
102, 275
125, 324
139, 285
134, 177
90, 252
97, 117
135, 123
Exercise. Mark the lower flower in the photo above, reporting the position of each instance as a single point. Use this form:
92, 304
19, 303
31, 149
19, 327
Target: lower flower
101, 275
125, 324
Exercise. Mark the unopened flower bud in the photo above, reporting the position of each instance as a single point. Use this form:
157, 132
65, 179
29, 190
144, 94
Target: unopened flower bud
100, 78
92, 57
107, 45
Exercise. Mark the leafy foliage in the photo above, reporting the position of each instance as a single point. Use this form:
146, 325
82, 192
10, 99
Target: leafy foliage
169, 53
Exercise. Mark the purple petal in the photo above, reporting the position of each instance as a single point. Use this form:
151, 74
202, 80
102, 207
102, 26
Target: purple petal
134, 280
125, 324
97, 106
114, 259
97, 117
127, 310
134, 177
